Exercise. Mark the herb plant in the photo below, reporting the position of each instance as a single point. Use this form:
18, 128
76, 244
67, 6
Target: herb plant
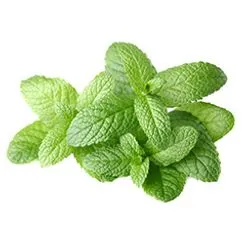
121, 125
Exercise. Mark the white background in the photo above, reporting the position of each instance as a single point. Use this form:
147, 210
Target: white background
61, 204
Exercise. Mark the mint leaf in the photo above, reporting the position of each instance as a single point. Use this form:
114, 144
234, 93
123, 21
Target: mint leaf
64, 114
97, 123
130, 144
154, 120
202, 162
43, 94
81, 152
164, 183
100, 177
140, 135
151, 149
183, 140
110, 161
54, 147
100, 87
120, 125
129, 66
139, 171
218, 121
25, 144
186, 83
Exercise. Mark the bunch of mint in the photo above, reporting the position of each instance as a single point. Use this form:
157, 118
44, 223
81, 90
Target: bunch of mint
120, 124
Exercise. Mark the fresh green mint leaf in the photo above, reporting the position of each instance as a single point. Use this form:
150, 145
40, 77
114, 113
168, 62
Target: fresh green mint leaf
202, 162
120, 125
151, 149
183, 140
81, 152
100, 177
189, 82
110, 161
100, 87
140, 135
64, 114
154, 120
218, 121
100, 122
54, 147
129, 66
130, 144
139, 171
25, 144
43, 94
164, 183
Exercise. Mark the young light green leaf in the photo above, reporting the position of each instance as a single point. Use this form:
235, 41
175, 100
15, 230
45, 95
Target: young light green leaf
110, 161
189, 82
54, 147
97, 123
202, 162
100, 87
139, 171
218, 121
43, 94
130, 144
184, 139
25, 144
64, 114
164, 183
129, 66
154, 120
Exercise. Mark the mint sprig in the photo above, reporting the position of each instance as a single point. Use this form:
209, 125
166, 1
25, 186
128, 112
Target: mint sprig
120, 124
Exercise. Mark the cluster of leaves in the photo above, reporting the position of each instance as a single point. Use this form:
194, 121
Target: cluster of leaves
120, 124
